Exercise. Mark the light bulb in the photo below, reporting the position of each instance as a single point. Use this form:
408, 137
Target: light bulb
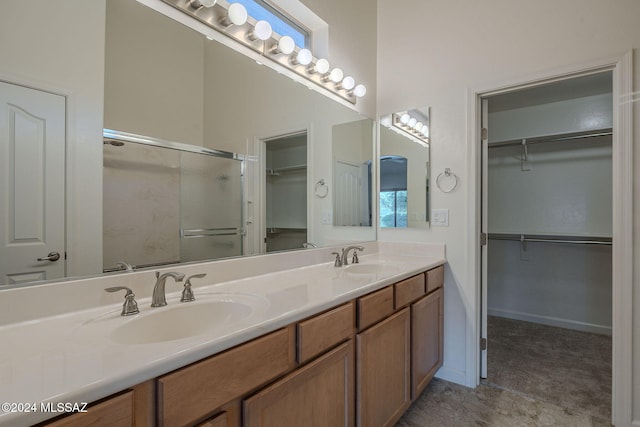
418, 126
360, 90
322, 66
236, 15
261, 31
285, 45
412, 122
404, 119
197, 4
348, 83
303, 57
336, 75
425, 131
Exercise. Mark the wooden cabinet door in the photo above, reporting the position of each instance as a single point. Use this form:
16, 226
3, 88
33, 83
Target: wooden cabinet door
383, 373
319, 394
427, 322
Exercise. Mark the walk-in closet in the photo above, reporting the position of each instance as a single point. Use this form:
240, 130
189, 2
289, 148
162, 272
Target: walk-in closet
548, 199
286, 192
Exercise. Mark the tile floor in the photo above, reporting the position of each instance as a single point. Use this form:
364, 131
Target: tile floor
537, 376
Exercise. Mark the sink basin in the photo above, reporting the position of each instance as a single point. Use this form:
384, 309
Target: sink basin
180, 321
372, 269
213, 312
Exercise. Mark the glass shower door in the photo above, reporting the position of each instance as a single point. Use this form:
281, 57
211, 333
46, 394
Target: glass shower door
210, 207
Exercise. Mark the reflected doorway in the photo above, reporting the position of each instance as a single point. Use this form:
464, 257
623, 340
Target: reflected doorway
285, 216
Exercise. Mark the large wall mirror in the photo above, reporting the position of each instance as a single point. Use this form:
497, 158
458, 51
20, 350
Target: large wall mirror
165, 83
404, 169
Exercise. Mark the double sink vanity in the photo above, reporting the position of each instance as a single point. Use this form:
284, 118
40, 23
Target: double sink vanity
279, 339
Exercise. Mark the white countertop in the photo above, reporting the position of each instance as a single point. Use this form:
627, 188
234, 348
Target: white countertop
71, 357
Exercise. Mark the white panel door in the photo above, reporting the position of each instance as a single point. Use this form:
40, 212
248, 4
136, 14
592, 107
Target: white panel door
32, 156
347, 194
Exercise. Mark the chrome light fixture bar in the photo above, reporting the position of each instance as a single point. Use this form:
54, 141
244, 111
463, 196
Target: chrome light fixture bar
412, 123
234, 22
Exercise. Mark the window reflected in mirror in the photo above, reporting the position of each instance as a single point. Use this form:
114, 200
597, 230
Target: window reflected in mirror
393, 191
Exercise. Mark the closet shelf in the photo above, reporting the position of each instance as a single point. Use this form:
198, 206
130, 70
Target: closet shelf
276, 230
573, 136
552, 238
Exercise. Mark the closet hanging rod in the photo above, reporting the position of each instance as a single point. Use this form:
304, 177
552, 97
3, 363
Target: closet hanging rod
550, 138
538, 238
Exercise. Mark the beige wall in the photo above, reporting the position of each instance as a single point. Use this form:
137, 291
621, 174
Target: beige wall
58, 46
352, 42
146, 51
469, 45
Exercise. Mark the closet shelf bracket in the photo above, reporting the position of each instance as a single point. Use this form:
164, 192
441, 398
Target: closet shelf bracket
525, 162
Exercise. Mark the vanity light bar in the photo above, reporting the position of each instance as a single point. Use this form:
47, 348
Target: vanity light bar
234, 22
414, 126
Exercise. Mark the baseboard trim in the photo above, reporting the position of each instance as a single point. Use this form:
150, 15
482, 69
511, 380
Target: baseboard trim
552, 321
452, 375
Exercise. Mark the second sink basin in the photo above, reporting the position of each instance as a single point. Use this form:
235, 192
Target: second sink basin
371, 269
184, 320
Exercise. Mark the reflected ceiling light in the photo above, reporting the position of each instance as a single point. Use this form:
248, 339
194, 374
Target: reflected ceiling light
278, 48
359, 91
236, 15
285, 45
417, 127
303, 57
261, 31
197, 4
321, 67
348, 83
336, 75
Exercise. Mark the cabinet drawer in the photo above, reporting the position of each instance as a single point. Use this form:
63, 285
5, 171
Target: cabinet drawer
435, 278
374, 307
409, 290
115, 411
191, 393
324, 331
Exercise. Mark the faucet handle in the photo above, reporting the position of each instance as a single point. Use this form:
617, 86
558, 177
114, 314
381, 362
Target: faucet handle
130, 306
187, 293
354, 259
338, 261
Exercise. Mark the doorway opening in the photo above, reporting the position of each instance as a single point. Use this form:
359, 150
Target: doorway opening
285, 190
547, 204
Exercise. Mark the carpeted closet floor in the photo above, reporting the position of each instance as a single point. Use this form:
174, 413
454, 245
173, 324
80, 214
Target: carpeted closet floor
537, 376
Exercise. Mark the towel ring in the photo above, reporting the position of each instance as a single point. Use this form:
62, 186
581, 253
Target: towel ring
447, 177
322, 189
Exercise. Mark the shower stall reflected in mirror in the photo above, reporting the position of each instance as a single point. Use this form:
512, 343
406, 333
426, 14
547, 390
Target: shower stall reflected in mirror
164, 205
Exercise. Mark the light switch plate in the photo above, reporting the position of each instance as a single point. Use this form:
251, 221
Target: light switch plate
440, 217
327, 217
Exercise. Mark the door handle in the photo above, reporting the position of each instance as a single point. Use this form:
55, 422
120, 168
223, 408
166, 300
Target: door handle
52, 256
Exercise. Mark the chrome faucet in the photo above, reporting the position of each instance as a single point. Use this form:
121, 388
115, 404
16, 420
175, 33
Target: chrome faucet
158, 299
125, 265
344, 260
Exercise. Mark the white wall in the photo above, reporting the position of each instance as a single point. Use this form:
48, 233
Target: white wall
58, 46
468, 45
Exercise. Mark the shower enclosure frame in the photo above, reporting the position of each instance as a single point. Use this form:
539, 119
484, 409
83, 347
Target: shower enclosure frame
110, 136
